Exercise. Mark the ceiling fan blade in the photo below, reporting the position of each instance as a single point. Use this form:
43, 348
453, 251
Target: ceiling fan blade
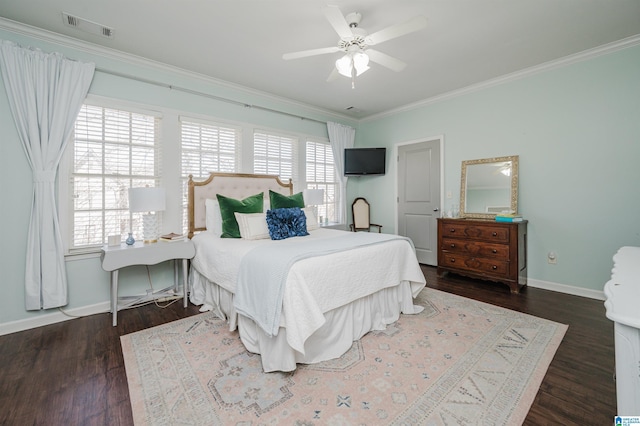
386, 60
312, 52
337, 21
414, 24
334, 74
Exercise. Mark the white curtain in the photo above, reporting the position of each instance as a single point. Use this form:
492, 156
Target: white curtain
341, 137
45, 93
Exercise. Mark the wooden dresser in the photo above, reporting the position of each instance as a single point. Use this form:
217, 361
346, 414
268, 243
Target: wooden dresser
484, 249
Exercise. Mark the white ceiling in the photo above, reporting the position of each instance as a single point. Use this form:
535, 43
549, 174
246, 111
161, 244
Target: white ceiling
466, 42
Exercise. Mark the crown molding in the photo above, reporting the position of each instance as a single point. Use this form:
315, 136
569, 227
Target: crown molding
537, 69
113, 54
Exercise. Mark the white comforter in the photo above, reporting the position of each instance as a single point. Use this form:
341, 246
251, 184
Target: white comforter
315, 285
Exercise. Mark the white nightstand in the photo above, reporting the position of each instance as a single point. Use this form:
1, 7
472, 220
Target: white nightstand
116, 257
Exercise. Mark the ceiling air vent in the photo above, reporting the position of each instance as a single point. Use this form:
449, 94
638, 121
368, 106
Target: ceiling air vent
353, 109
87, 26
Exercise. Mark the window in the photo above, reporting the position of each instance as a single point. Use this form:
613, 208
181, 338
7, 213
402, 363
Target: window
321, 174
117, 145
206, 147
113, 150
275, 155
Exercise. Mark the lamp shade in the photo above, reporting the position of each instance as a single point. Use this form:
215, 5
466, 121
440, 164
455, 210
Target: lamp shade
344, 65
147, 199
360, 62
313, 197
357, 60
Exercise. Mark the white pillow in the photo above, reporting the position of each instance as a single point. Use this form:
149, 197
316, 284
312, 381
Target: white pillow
253, 226
312, 221
213, 217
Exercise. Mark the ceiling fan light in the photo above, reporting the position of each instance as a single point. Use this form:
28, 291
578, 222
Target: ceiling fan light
361, 70
361, 62
360, 59
344, 65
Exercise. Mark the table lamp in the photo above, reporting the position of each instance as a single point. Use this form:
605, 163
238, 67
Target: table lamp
150, 200
313, 197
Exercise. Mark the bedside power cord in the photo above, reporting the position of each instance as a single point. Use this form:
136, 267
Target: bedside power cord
155, 300
170, 300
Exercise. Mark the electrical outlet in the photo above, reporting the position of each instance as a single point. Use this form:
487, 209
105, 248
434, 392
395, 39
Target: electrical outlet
449, 194
552, 258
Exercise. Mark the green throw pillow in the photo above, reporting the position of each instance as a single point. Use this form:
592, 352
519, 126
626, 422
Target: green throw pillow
279, 201
229, 206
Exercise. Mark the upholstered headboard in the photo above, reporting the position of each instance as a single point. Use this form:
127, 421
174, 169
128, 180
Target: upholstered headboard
234, 185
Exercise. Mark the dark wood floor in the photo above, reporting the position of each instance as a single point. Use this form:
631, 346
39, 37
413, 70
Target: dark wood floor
72, 373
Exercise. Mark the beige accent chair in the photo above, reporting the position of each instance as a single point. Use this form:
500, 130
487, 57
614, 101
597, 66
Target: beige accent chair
361, 216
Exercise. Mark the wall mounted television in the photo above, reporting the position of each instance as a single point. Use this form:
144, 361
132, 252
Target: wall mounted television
364, 161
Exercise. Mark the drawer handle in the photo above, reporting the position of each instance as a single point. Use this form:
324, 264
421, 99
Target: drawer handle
495, 234
494, 267
453, 261
494, 251
452, 230
453, 245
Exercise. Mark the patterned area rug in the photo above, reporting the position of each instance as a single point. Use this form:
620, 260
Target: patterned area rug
459, 362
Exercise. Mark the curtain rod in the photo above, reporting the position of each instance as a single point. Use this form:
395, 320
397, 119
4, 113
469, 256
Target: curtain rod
206, 95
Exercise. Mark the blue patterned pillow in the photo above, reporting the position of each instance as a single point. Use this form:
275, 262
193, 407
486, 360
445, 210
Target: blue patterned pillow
286, 222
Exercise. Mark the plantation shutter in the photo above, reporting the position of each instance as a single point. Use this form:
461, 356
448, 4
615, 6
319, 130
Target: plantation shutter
206, 147
321, 174
275, 155
114, 150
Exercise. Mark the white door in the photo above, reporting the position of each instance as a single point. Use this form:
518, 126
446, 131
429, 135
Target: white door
419, 197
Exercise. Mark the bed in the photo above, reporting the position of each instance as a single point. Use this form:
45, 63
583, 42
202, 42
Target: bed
329, 288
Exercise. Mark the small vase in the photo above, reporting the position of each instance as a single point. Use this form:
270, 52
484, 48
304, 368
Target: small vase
130, 240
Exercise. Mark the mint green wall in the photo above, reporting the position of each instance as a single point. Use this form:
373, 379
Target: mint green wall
88, 283
577, 132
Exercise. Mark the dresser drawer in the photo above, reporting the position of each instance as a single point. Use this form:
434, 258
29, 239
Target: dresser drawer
478, 232
474, 264
475, 248
485, 249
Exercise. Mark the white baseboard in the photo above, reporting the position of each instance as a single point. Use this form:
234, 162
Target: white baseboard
46, 319
567, 289
52, 318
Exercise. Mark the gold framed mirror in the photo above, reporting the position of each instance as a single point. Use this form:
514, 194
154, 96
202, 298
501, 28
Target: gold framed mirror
489, 186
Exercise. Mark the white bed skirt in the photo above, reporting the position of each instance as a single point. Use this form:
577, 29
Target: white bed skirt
343, 325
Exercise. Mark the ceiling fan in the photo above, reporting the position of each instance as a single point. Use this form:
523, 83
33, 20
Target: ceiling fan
356, 44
